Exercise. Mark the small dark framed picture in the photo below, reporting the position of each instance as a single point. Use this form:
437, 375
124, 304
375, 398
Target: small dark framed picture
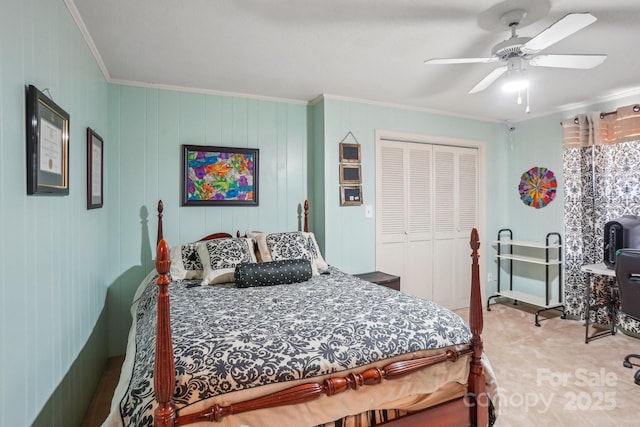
350, 174
351, 195
47, 145
95, 169
349, 153
219, 176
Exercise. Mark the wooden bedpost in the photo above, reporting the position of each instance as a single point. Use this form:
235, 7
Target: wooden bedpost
480, 414
164, 373
306, 216
160, 209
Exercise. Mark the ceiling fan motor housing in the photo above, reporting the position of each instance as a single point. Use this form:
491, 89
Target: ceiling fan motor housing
510, 48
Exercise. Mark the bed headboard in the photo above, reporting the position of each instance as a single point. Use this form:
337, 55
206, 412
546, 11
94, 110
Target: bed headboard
222, 235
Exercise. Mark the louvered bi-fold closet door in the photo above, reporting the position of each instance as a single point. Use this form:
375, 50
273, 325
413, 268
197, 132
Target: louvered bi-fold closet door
404, 188
455, 211
426, 199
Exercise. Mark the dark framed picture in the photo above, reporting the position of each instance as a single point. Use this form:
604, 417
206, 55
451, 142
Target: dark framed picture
349, 153
350, 195
219, 176
350, 174
95, 169
47, 145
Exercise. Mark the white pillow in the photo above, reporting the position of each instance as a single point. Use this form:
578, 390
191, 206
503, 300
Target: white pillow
185, 262
291, 245
220, 257
252, 234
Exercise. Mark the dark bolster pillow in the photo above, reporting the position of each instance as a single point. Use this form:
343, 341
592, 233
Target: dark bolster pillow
272, 273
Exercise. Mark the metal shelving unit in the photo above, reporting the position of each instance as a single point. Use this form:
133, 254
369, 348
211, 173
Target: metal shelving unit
553, 244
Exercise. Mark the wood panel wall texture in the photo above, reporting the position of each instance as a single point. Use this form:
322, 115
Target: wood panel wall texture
147, 128
53, 251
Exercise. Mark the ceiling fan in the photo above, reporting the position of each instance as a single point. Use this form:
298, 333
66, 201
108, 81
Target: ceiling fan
517, 49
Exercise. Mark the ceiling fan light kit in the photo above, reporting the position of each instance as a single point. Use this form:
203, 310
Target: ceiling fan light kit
515, 83
515, 78
517, 49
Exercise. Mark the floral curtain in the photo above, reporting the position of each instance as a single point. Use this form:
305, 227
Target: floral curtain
601, 157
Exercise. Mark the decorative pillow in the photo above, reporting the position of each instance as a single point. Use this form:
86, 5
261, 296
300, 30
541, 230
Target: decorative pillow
272, 273
220, 257
291, 245
314, 249
185, 262
253, 236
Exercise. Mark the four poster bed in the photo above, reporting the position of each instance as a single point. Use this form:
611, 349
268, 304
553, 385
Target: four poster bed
291, 341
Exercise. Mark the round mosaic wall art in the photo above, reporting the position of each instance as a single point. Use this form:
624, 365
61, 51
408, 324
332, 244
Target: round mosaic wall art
537, 187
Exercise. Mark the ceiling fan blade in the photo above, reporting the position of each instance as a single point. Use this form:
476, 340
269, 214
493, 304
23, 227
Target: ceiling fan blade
490, 78
439, 61
584, 62
561, 29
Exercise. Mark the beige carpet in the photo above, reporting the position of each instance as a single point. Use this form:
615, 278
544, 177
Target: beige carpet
548, 376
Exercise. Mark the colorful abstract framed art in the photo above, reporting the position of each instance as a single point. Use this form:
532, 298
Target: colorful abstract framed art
219, 176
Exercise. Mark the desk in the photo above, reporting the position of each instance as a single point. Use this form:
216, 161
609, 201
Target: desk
599, 268
594, 270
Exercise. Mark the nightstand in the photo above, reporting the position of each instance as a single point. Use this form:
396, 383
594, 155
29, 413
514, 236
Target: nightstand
382, 279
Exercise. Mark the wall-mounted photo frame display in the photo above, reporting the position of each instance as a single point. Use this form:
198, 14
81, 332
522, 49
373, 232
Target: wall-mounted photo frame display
350, 174
95, 169
219, 176
47, 145
351, 195
350, 153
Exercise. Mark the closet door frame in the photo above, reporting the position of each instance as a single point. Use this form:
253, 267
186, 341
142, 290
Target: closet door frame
382, 135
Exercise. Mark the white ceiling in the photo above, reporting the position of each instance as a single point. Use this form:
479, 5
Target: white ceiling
369, 50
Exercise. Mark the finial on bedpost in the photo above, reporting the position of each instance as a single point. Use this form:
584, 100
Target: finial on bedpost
160, 209
306, 216
480, 413
164, 373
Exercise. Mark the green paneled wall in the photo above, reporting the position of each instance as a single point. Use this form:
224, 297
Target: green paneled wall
350, 239
316, 162
147, 129
53, 255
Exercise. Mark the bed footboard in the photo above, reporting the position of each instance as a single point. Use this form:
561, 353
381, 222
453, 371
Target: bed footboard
332, 386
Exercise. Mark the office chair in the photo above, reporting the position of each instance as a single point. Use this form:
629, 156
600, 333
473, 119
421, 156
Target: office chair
628, 278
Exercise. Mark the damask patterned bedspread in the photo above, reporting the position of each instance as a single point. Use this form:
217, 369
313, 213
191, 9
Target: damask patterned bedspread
228, 339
